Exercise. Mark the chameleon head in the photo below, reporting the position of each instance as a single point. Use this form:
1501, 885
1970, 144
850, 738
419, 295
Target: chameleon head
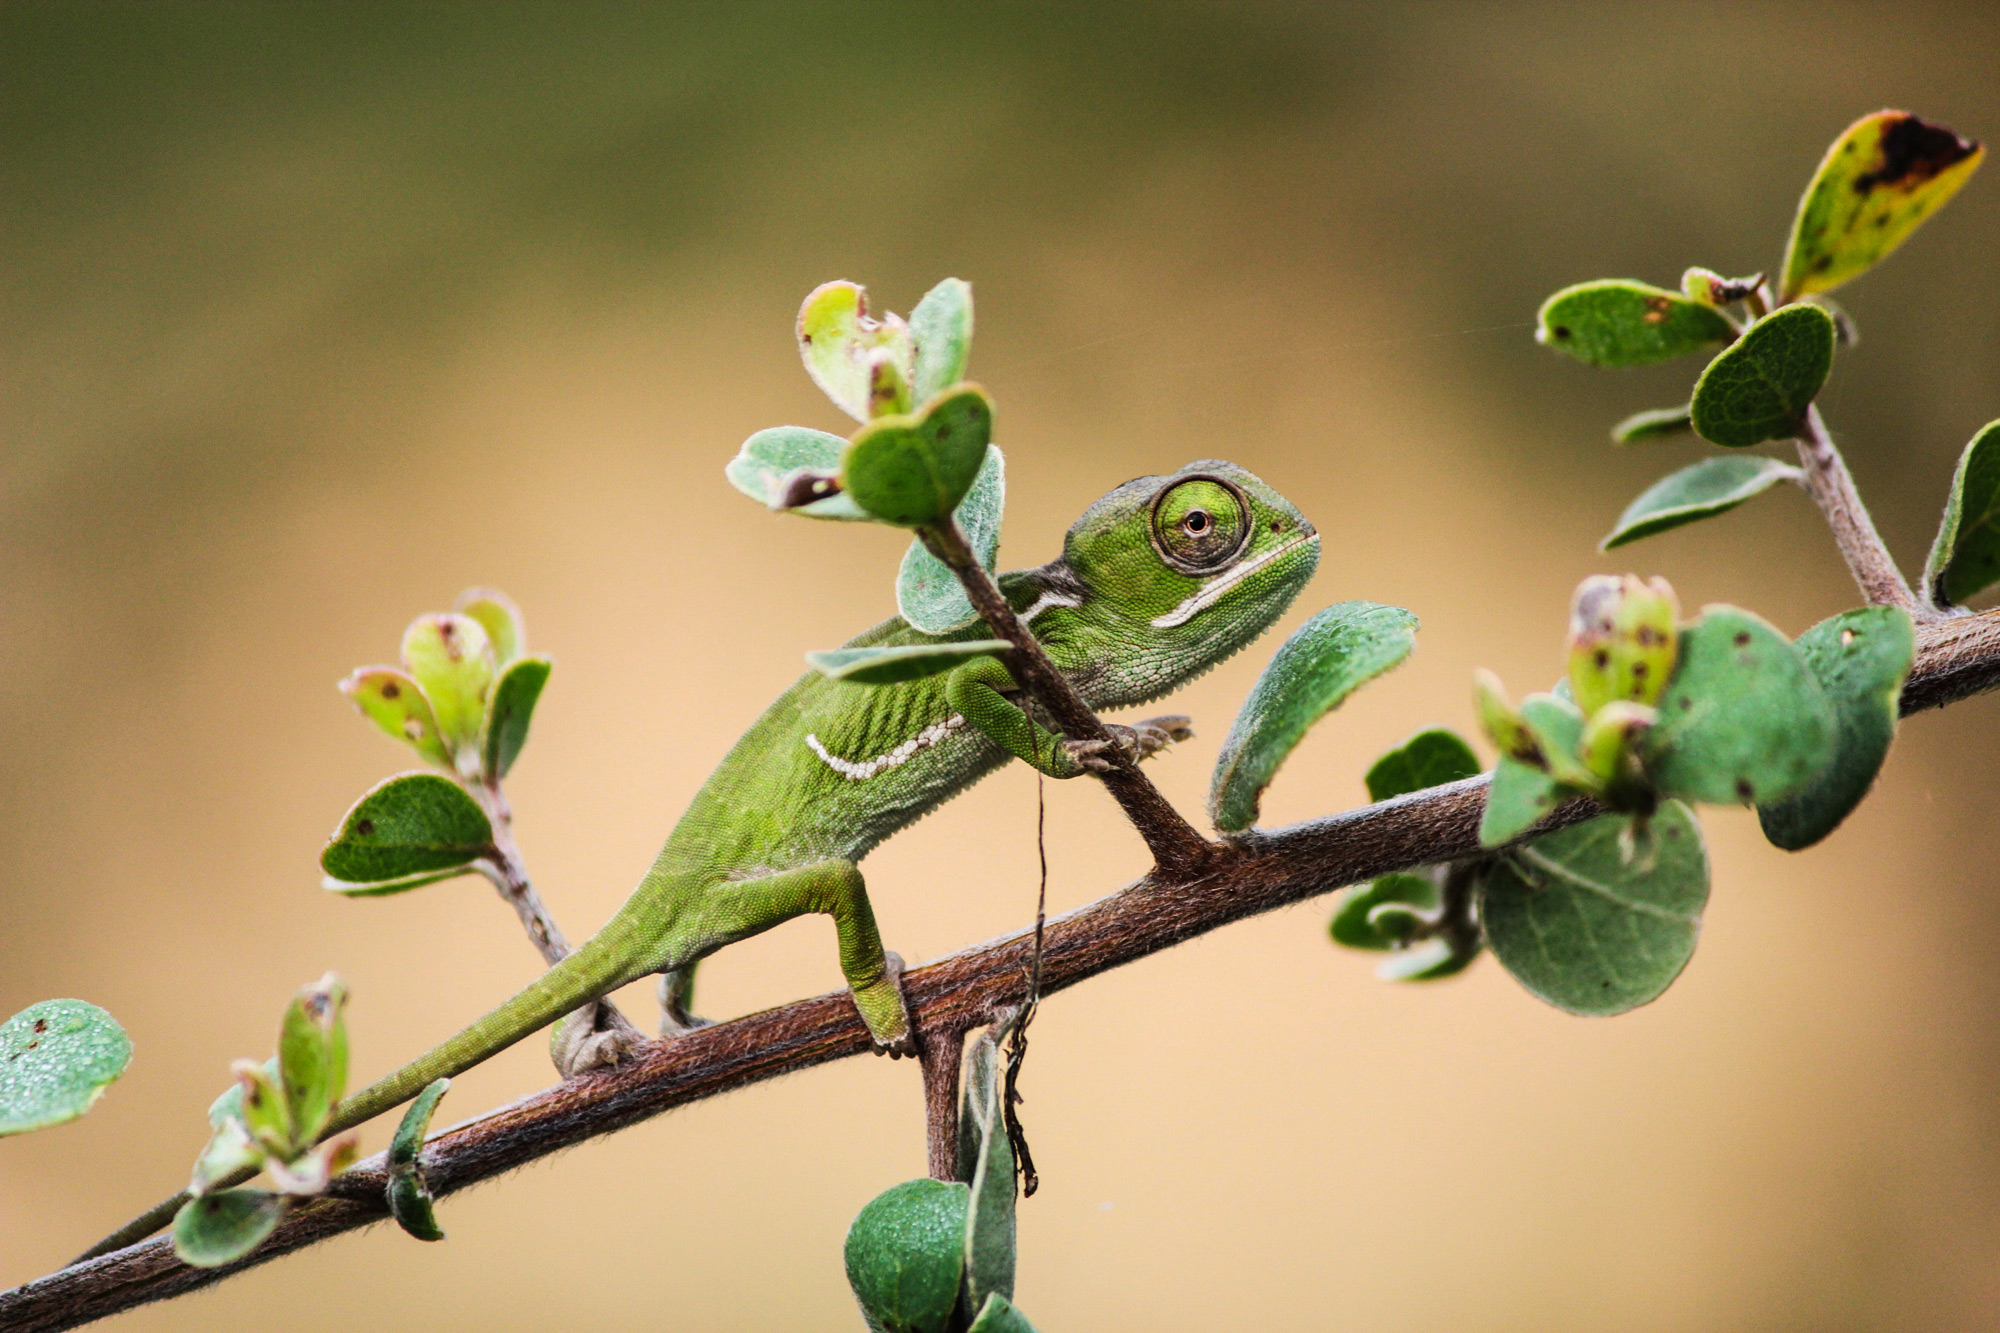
1177, 573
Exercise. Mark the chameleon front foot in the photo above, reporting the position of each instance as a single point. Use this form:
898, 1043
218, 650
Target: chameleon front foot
594, 1037
885, 1011
1141, 740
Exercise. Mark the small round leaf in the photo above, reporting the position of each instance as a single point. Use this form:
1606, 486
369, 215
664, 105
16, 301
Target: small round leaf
508, 716
221, 1228
1615, 322
500, 618
1965, 559
1430, 758
452, 659
838, 342
1356, 925
1759, 388
56, 1059
769, 460
914, 469
906, 1255
1589, 928
411, 824
396, 703
941, 328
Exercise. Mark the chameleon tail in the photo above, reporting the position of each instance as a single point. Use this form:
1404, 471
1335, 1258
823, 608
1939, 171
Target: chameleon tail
601, 965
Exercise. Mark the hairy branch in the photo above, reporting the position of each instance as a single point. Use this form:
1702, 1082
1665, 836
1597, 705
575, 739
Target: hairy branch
1831, 486
1265, 870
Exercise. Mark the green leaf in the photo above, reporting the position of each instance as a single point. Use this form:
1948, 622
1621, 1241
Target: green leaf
1710, 487
56, 1060
906, 1254
1355, 923
1589, 929
1965, 559
914, 469
410, 1201
989, 1221
928, 595
1743, 720
512, 709
265, 1111
1860, 659
998, 1315
1326, 659
941, 327
769, 460
841, 346
1759, 388
1622, 640
500, 618
408, 825
221, 1228
1884, 175
396, 703
1522, 794
312, 1055
891, 666
451, 658
1432, 960
384, 888
1430, 758
230, 1149
1658, 423
1615, 322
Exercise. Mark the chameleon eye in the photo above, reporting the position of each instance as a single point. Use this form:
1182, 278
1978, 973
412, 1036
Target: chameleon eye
1200, 524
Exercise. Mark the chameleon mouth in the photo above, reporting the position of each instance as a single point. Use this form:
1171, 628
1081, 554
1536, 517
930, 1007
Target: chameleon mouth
1210, 593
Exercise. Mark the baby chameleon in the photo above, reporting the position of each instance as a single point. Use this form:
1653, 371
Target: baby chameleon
1158, 581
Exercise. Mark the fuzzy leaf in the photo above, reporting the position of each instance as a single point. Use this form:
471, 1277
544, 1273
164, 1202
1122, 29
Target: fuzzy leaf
396, 703
512, 709
928, 595
409, 825
913, 469
891, 666
771, 458
1710, 487
998, 1315
1860, 659
221, 1228
1965, 559
989, 1221
56, 1060
1326, 659
1587, 929
230, 1149
1743, 720
1884, 175
1354, 923
839, 343
1430, 758
1759, 388
941, 327
1658, 423
906, 1254
452, 660
500, 618
1615, 322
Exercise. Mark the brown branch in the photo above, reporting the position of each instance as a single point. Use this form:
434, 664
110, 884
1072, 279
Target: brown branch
1955, 659
942, 1050
1178, 850
1831, 486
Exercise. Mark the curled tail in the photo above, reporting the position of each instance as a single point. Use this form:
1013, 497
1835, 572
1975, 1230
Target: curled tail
603, 964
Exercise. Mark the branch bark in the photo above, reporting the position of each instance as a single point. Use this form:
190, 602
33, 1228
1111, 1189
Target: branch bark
1831, 486
1265, 870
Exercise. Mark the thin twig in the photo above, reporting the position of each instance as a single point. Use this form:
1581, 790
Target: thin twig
1265, 870
1178, 850
1831, 486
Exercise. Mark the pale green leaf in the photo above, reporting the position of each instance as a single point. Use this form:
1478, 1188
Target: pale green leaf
941, 327
500, 618
56, 1060
771, 459
451, 658
1703, 490
394, 701
928, 595
841, 345
221, 1228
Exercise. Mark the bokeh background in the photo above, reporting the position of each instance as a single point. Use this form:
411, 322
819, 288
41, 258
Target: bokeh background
316, 314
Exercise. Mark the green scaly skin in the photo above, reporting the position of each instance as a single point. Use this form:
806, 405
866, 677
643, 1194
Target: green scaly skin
1152, 590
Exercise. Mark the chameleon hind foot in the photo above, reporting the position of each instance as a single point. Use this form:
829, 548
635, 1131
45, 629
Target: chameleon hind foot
1141, 740
676, 993
596, 1036
886, 1012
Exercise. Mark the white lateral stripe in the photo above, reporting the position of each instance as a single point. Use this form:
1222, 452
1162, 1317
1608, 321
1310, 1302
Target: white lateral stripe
1209, 593
1047, 600
857, 771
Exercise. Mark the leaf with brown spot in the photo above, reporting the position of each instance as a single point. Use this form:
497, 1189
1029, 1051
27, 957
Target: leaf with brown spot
1882, 178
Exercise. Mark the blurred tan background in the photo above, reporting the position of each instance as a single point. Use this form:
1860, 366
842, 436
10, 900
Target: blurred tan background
316, 314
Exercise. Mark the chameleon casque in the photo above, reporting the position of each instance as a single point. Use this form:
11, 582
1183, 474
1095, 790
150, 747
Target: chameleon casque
1158, 581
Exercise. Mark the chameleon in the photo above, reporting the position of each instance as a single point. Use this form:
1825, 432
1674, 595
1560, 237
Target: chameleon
1158, 581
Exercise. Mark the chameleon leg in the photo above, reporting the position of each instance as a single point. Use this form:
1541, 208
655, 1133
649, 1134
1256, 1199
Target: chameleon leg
980, 691
676, 997
737, 909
